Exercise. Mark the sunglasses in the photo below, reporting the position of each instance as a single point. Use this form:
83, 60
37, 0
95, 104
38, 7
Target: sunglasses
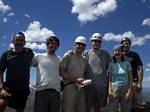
99, 41
82, 44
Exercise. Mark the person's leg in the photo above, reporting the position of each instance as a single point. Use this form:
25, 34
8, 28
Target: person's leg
40, 102
18, 99
113, 106
3, 104
69, 98
125, 105
89, 98
80, 103
54, 101
136, 101
100, 97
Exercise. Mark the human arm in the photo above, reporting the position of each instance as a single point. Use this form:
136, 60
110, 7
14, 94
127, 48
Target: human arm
140, 75
110, 94
130, 82
63, 71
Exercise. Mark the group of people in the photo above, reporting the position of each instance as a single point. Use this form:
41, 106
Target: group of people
115, 81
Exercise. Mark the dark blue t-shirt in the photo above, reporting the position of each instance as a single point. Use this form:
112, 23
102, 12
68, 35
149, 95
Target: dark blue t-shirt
17, 66
135, 61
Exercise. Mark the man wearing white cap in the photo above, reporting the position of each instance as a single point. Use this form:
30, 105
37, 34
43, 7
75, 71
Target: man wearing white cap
96, 93
75, 69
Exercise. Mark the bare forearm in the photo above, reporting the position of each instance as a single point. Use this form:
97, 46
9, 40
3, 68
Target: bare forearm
1, 78
66, 76
140, 74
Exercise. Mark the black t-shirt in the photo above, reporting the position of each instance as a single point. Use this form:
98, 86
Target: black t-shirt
17, 66
135, 61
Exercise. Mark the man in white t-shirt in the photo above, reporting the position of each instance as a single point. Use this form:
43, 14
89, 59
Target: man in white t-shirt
47, 96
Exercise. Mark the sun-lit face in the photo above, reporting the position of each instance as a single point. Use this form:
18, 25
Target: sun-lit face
126, 46
117, 53
96, 44
19, 42
52, 47
80, 47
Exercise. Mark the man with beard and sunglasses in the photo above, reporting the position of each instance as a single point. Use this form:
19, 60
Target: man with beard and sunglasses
75, 69
14, 90
137, 72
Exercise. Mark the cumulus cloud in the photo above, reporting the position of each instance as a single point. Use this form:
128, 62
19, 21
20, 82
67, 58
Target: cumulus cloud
5, 19
4, 8
35, 33
146, 21
5, 11
36, 46
136, 40
90, 10
36, 36
147, 68
27, 16
11, 14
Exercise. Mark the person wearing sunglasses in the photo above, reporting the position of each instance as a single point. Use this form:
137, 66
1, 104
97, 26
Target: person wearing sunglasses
14, 90
74, 69
137, 72
96, 93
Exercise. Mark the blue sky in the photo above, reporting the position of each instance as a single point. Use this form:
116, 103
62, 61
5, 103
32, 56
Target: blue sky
68, 19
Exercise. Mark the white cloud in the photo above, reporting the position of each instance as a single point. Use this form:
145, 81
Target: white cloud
41, 46
90, 10
35, 33
5, 19
11, 14
34, 45
36, 36
4, 8
135, 40
146, 21
147, 68
27, 16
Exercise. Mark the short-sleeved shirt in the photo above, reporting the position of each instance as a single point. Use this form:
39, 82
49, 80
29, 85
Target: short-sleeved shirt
135, 61
17, 66
99, 64
47, 71
120, 72
76, 66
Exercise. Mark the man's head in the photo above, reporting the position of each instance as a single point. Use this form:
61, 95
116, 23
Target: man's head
52, 43
126, 43
18, 39
80, 44
96, 39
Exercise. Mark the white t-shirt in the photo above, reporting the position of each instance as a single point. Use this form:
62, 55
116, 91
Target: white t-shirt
47, 71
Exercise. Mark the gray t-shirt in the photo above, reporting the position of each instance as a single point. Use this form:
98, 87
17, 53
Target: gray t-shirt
76, 66
99, 64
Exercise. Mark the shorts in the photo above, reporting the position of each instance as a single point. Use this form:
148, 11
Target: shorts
18, 98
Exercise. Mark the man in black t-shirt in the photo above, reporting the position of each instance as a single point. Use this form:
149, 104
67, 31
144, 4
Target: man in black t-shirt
137, 72
16, 62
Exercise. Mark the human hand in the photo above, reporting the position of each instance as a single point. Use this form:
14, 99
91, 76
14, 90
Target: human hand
4, 93
68, 53
138, 87
110, 96
127, 96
